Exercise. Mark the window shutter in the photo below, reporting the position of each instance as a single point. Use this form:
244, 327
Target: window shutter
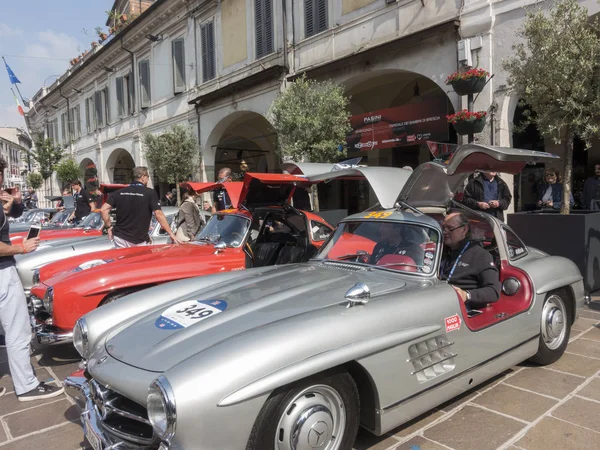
98, 108
321, 16
258, 23
78, 119
211, 50
315, 16
309, 17
178, 65
268, 26
120, 97
144, 68
106, 105
208, 51
263, 11
130, 94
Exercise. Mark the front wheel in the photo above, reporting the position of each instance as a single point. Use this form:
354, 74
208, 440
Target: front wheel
318, 413
555, 329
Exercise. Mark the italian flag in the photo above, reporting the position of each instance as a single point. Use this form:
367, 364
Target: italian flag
19, 107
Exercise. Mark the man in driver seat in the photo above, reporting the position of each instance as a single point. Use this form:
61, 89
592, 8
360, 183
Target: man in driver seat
393, 242
467, 266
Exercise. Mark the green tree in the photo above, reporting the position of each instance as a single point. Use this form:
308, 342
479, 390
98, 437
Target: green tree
172, 154
68, 170
47, 155
556, 71
311, 119
34, 180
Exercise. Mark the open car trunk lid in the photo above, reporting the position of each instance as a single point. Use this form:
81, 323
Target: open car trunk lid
434, 183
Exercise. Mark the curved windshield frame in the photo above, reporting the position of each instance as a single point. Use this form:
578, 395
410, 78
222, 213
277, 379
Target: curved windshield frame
406, 247
231, 229
92, 220
60, 218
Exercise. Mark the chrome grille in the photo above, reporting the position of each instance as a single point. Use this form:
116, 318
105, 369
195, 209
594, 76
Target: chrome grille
120, 416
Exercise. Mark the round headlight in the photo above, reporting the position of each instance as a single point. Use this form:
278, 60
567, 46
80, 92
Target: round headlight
36, 276
49, 300
161, 408
80, 337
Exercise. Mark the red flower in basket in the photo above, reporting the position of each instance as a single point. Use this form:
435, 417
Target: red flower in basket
468, 75
465, 116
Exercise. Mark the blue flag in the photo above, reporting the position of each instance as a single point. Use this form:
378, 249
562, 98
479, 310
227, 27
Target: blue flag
11, 75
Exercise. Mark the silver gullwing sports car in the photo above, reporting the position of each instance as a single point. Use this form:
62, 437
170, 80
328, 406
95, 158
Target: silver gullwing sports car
299, 356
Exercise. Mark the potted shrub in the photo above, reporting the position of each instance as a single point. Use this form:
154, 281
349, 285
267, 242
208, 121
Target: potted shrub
123, 18
103, 36
465, 122
470, 82
94, 44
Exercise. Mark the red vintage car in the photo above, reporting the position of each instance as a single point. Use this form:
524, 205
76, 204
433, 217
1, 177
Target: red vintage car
263, 230
90, 226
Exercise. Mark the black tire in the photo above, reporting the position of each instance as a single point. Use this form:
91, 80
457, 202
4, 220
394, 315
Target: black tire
122, 293
550, 350
279, 408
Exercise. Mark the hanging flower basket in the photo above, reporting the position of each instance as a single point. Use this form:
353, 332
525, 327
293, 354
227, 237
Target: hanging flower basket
465, 122
469, 82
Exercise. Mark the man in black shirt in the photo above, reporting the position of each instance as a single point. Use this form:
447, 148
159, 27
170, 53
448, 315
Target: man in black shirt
221, 200
467, 266
393, 243
135, 205
83, 202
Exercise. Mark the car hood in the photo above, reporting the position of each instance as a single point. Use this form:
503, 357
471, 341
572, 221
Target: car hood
163, 337
94, 263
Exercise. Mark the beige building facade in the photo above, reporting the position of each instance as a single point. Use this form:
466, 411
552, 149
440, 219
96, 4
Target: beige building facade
216, 66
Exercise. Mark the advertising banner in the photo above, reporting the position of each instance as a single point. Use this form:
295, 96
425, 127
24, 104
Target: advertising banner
411, 124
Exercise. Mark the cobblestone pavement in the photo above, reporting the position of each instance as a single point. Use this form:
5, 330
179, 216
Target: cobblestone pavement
527, 407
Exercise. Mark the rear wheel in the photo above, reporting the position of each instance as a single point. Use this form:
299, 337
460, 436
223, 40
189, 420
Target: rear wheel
555, 329
317, 413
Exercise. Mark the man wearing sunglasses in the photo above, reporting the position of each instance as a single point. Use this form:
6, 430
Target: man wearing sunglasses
467, 266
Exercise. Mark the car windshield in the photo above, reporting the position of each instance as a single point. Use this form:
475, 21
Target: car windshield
402, 246
60, 217
31, 216
230, 229
93, 220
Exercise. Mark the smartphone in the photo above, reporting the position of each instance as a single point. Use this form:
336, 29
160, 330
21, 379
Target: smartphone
34, 231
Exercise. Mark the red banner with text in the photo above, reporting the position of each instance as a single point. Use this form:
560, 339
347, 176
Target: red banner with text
411, 124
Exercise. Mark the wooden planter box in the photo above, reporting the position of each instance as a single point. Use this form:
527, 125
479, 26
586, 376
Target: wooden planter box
575, 236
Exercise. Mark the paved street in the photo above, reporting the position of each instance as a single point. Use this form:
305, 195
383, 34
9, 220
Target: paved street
532, 408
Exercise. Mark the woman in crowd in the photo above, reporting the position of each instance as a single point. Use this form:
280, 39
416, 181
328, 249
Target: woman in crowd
550, 193
189, 221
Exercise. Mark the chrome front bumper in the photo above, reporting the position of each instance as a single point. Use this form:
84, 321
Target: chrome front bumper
45, 334
78, 389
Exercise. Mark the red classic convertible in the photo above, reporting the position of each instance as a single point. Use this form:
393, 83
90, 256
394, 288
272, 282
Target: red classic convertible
263, 230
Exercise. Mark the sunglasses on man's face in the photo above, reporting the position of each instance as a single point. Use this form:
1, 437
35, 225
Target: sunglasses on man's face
446, 228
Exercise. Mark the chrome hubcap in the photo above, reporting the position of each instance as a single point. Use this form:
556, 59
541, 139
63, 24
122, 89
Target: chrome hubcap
554, 316
314, 420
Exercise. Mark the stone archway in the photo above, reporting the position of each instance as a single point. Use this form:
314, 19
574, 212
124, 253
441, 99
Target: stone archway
393, 98
243, 141
90, 174
119, 165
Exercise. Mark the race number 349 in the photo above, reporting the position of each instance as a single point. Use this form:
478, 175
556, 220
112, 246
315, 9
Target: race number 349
452, 323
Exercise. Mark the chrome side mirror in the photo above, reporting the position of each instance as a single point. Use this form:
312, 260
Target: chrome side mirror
220, 246
359, 294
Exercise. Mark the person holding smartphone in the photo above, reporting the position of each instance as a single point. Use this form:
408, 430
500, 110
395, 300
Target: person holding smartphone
13, 305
